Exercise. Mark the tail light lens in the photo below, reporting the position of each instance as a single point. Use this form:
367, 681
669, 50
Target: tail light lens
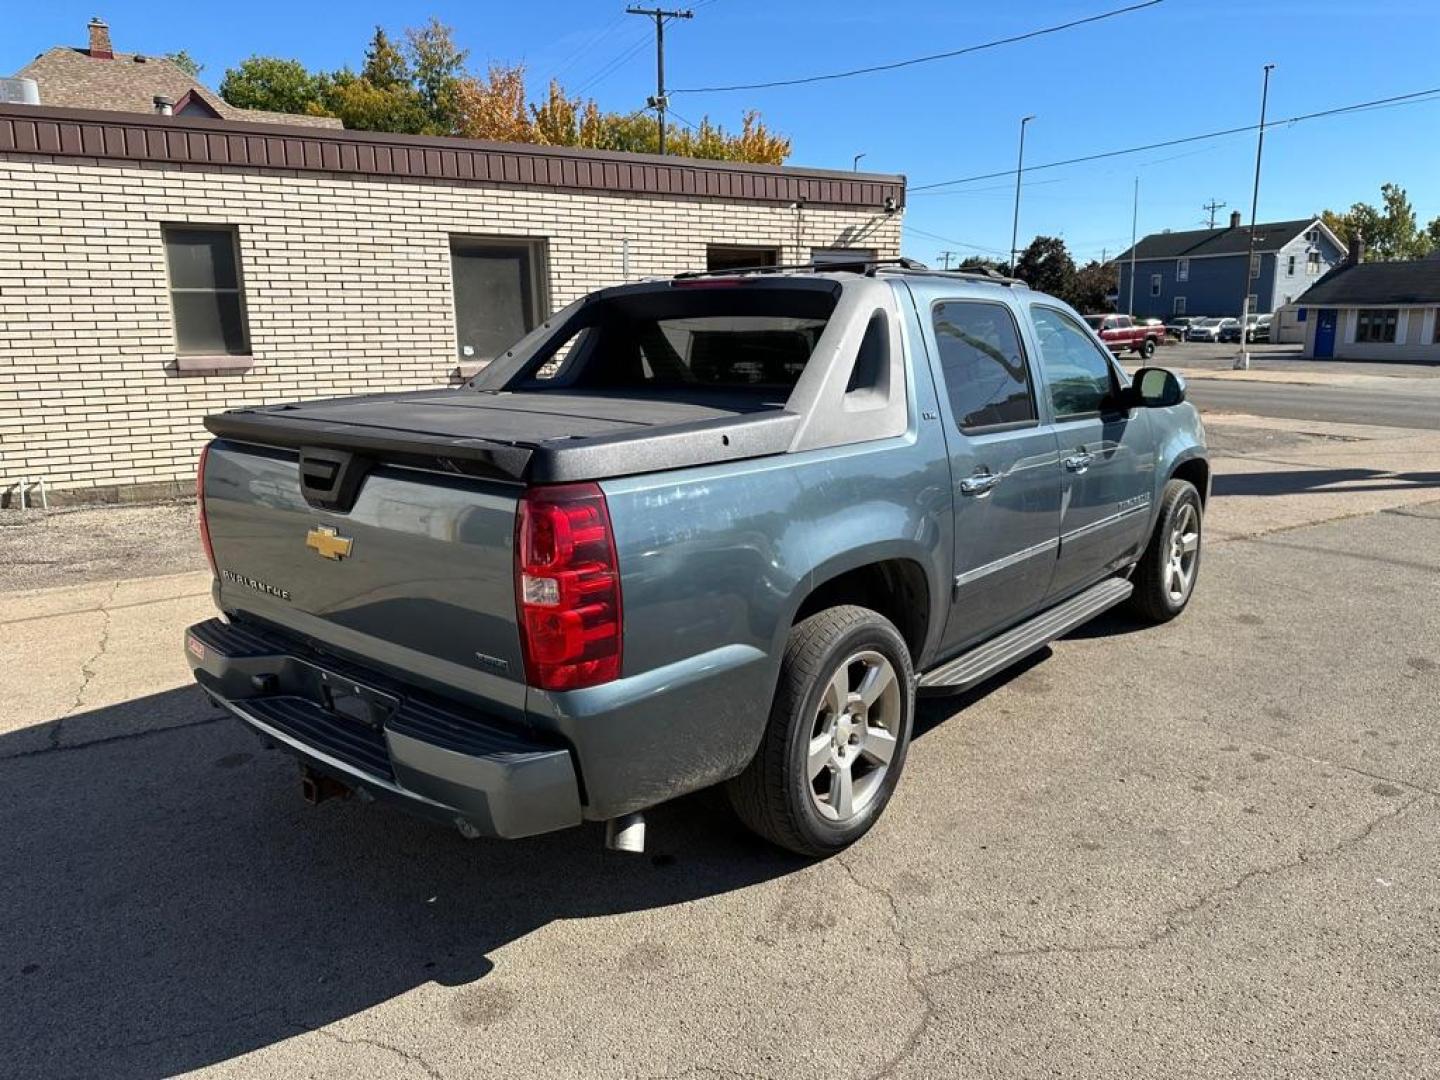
567, 587
200, 505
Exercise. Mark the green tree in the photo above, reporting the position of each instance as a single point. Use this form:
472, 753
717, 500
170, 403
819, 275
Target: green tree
1091, 286
439, 66
269, 82
186, 63
386, 67
1391, 231
1046, 265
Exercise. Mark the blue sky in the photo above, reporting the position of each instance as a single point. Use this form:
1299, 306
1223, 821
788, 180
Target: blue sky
1182, 67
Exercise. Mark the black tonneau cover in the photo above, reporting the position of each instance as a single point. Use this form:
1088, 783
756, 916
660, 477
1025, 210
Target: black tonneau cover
534, 437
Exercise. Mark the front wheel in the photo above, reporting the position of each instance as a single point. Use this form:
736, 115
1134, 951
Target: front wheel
837, 736
1148, 349
1165, 578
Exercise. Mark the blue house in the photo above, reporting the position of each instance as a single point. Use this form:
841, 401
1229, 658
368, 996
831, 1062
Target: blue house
1202, 272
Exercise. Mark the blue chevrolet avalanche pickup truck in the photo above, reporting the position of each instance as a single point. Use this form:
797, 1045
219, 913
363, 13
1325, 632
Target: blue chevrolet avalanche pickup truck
715, 529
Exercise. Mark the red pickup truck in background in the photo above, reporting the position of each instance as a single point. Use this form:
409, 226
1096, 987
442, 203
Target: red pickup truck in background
1124, 334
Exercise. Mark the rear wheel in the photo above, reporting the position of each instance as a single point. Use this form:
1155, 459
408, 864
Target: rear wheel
838, 733
1148, 349
1165, 578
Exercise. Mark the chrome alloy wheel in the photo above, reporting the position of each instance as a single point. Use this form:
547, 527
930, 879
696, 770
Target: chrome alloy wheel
1181, 553
852, 740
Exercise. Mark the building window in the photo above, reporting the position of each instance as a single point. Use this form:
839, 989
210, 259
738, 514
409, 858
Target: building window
1179, 305
205, 291
499, 293
1154, 284
737, 257
1182, 270
1375, 325
1252, 303
1254, 266
1312, 263
1290, 266
1313, 236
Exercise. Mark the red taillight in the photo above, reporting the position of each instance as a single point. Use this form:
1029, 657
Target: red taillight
567, 587
200, 506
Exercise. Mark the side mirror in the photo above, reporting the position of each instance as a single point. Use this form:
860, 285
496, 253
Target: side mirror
1157, 388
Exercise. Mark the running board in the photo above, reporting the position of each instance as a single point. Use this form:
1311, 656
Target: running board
986, 659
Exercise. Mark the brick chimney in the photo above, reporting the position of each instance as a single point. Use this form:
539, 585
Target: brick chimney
1234, 219
1356, 255
100, 40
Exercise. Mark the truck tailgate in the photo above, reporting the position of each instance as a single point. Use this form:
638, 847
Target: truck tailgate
418, 576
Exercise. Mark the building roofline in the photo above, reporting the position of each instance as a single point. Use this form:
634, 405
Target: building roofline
199, 141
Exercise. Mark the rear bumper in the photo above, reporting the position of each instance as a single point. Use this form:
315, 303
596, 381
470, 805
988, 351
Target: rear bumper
435, 759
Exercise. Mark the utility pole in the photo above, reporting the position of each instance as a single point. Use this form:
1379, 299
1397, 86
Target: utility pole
945, 257
1211, 207
1242, 362
1019, 172
659, 101
1134, 220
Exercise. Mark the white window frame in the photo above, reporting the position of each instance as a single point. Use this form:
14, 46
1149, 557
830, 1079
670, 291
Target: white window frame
1182, 270
1312, 263
1255, 266
1179, 306
1156, 281
1290, 267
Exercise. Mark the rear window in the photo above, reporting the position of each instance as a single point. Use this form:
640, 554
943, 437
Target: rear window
722, 337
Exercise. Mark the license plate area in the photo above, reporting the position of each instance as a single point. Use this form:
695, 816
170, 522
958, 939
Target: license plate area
351, 700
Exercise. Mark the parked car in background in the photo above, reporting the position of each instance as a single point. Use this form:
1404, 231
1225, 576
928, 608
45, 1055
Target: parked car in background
1177, 326
1208, 329
707, 530
1259, 329
1229, 331
1123, 334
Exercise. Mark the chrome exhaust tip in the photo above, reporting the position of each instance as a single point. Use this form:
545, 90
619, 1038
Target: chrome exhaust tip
626, 833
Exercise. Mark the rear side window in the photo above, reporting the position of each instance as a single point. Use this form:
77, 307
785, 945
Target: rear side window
1077, 369
983, 365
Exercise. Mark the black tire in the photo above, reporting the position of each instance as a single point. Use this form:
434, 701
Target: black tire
1148, 349
1154, 598
774, 796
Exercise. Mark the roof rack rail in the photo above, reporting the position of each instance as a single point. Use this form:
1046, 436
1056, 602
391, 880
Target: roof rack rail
869, 267
856, 266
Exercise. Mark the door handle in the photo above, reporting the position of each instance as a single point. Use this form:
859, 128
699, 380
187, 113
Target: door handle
980, 483
1078, 463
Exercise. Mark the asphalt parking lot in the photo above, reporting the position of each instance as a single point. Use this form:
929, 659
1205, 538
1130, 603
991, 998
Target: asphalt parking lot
1202, 849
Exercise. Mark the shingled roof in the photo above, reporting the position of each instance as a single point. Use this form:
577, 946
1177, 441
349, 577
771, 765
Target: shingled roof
1269, 236
1413, 282
130, 82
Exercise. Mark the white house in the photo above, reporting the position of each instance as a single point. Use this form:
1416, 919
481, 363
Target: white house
1374, 311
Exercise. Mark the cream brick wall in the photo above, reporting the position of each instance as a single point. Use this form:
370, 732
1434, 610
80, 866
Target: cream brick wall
347, 290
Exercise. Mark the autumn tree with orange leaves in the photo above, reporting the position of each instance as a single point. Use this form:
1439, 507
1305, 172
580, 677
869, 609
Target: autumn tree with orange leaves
424, 87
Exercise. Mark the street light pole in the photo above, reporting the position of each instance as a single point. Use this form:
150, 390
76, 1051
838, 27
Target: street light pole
855, 165
1242, 362
1134, 220
1019, 172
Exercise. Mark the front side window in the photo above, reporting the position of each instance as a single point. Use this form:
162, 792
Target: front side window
1375, 325
1077, 370
1182, 269
982, 364
205, 293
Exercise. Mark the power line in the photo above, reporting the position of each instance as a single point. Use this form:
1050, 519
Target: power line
951, 240
661, 16
1398, 99
925, 59
606, 70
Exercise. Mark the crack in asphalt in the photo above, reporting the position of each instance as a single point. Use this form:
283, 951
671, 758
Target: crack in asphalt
913, 974
409, 1056
87, 667
1180, 917
110, 739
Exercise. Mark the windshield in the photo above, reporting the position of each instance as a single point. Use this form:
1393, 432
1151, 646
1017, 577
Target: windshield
1209, 322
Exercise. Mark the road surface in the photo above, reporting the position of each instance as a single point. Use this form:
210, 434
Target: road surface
1413, 403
